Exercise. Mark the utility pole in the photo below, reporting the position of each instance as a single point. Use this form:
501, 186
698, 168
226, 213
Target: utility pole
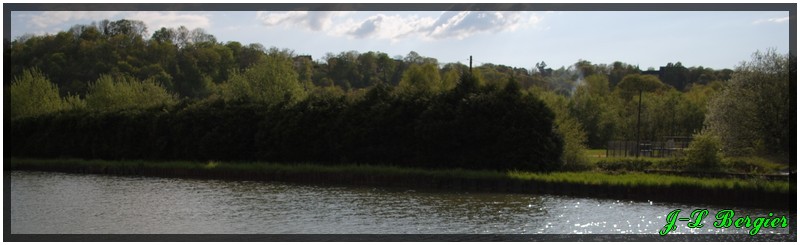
638, 119
470, 64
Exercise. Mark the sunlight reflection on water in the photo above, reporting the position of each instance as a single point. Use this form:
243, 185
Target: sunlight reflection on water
88, 204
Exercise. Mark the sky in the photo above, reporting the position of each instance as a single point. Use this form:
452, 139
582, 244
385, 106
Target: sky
715, 39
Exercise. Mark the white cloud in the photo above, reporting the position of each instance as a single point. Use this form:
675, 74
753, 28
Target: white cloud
772, 20
380, 26
156, 20
465, 24
50, 18
312, 20
457, 25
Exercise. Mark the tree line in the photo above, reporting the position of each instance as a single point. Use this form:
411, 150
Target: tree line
188, 62
110, 66
470, 126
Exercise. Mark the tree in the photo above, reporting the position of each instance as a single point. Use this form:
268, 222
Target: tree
248, 55
164, 35
619, 70
272, 81
542, 69
130, 28
413, 58
675, 75
661, 115
493, 74
422, 79
756, 112
573, 155
386, 68
450, 79
198, 35
182, 37
111, 93
467, 83
343, 69
636, 84
632, 84
591, 106
368, 69
585, 68
32, 94
703, 153
693, 107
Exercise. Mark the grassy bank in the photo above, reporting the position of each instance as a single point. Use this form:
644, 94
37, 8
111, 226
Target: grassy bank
727, 165
639, 186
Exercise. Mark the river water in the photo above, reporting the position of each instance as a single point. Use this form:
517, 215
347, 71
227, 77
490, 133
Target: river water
60, 203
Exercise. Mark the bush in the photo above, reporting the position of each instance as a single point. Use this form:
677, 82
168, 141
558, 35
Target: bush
573, 156
479, 128
32, 94
615, 165
124, 92
704, 153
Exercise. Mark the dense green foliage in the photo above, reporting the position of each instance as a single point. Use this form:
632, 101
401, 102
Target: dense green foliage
181, 94
125, 92
756, 113
474, 128
573, 157
423, 79
32, 94
704, 152
270, 81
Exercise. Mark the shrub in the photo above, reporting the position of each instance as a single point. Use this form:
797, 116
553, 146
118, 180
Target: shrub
33, 94
124, 92
573, 157
704, 153
477, 128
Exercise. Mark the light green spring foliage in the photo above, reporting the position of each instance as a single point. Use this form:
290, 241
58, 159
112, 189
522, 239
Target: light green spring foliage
272, 81
111, 93
627, 94
451, 78
756, 112
33, 94
699, 94
423, 79
630, 85
704, 152
595, 109
573, 157
74, 102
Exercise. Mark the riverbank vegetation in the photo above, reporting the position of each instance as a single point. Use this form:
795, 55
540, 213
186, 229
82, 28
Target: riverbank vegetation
735, 165
468, 127
636, 186
241, 168
106, 91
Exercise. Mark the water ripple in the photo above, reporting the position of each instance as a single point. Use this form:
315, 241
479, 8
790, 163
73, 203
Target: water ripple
71, 203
